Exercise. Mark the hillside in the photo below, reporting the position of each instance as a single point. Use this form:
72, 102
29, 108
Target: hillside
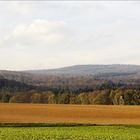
78, 77
90, 70
82, 84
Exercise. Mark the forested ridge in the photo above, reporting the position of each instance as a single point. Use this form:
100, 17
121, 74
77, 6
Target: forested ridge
107, 85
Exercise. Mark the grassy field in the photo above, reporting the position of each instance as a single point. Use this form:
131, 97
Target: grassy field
85, 114
71, 133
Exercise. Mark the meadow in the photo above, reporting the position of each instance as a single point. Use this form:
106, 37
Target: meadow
71, 133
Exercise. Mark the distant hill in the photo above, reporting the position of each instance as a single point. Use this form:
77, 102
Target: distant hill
82, 84
78, 78
90, 70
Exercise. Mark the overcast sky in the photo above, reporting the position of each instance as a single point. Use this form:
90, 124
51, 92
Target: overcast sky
42, 35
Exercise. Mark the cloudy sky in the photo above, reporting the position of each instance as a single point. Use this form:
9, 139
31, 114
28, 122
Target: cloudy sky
45, 34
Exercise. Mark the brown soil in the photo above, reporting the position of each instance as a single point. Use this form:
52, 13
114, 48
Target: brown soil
94, 114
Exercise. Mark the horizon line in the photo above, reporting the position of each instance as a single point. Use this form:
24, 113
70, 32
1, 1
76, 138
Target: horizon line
61, 67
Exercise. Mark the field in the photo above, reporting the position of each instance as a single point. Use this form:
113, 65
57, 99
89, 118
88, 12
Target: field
71, 133
84, 114
69, 122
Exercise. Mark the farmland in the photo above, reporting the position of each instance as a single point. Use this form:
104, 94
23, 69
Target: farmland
72, 122
84, 114
71, 133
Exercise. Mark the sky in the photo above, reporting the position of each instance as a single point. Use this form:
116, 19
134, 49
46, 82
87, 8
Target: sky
45, 34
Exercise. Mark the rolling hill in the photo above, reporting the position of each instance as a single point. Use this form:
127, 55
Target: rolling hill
79, 77
82, 84
89, 70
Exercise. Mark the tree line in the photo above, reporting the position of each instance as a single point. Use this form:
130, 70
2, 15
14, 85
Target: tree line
104, 97
108, 93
